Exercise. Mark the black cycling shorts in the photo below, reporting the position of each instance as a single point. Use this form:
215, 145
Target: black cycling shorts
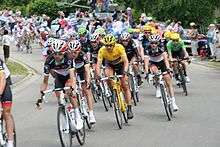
180, 54
7, 94
160, 65
81, 73
60, 80
118, 68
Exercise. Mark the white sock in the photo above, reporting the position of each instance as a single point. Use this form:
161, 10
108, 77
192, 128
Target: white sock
10, 143
77, 112
91, 112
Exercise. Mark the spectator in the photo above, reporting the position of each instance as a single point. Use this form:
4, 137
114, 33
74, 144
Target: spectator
6, 40
193, 33
212, 39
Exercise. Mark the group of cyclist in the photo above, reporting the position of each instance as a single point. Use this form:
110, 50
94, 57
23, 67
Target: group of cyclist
70, 58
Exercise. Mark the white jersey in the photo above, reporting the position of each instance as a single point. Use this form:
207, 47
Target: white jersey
4, 68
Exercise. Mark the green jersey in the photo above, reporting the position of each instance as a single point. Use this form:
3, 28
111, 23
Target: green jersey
175, 46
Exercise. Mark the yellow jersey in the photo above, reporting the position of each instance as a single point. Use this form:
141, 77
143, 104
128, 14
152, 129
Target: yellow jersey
112, 57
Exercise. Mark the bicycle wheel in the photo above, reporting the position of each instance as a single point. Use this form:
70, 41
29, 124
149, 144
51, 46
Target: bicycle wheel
183, 82
125, 117
103, 97
81, 134
94, 93
118, 113
165, 102
133, 93
63, 127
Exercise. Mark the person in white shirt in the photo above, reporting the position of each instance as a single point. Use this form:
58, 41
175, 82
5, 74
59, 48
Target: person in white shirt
6, 40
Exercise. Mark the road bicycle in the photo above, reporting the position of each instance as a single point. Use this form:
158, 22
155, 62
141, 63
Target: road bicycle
65, 119
167, 102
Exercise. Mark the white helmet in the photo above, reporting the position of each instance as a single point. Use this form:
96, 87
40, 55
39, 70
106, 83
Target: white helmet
154, 38
74, 45
58, 45
125, 36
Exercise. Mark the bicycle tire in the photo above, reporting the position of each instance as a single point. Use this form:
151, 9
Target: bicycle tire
94, 93
103, 97
68, 142
125, 117
118, 113
183, 82
133, 93
81, 134
87, 122
165, 102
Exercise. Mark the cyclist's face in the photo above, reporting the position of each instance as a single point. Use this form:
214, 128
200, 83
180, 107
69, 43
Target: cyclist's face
154, 44
74, 54
109, 47
125, 42
94, 43
58, 56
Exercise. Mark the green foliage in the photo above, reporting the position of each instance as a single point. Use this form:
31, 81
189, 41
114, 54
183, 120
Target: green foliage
43, 7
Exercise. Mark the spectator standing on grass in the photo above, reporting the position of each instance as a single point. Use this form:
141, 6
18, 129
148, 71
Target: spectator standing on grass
6, 40
193, 33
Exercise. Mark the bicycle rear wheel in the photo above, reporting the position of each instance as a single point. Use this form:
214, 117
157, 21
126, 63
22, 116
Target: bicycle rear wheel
183, 82
118, 113
165, 102
133, 93
81, 134
63, 127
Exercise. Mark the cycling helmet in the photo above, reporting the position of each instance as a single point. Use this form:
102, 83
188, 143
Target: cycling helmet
58, 45
147, 28
100, 31
109, 39
94, 37
74, 45
125, 36
175, 37
82, 31
154, 38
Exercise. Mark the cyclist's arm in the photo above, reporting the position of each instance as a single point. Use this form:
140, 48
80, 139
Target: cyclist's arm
125, 60
72, 77
169, 50
99, 62
2, 81
146, 63
46, 78
166, 60
184, 50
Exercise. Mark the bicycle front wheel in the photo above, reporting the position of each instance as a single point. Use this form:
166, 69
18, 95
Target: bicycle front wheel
64, 128
81, 134
165, 102
118, 113
183, 82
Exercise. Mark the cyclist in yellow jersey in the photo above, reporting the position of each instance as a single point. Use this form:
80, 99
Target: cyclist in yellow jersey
116, 61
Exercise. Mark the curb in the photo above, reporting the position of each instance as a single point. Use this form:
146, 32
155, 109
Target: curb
31, 72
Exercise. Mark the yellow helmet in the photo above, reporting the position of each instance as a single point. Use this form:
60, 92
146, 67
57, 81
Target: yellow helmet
175, 37
109, 39
167, 34
147, 28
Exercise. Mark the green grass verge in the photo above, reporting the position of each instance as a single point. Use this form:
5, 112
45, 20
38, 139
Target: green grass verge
16, 68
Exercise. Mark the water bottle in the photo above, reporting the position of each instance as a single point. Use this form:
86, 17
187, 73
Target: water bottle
71, 114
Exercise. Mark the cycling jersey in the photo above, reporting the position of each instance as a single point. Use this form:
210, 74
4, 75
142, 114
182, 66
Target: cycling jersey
3, 68
114, 57
85, 45
81, 60
154, 55
174, 47
131, 49
94, 52
144, 41
61, 68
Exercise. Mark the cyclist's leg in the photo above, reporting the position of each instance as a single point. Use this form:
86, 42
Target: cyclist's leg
7, 116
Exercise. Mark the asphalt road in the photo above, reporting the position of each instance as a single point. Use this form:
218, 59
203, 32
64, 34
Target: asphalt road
197, 123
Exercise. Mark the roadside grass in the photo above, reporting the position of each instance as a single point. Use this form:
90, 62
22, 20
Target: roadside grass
16, 68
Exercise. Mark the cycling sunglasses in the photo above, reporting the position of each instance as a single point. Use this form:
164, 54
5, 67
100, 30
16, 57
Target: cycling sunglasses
109, 45
157, 43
